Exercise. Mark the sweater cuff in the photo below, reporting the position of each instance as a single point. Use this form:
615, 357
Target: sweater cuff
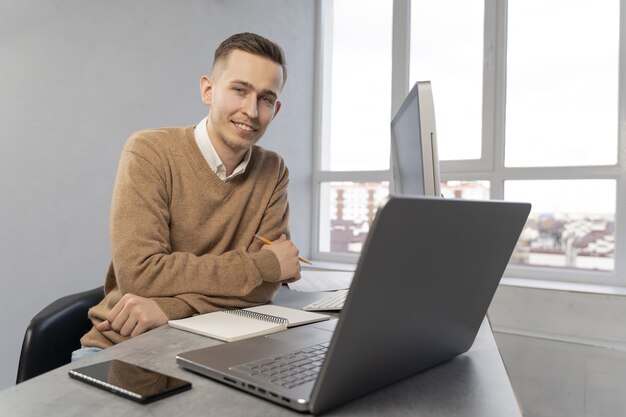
267, 264
174, 308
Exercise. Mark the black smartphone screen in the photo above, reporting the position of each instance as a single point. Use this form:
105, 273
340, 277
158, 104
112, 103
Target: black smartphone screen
130, 381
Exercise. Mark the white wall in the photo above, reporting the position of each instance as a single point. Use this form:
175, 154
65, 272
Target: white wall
76, 78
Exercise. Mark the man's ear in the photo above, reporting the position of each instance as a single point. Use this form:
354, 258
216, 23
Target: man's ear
206, 90
278, 104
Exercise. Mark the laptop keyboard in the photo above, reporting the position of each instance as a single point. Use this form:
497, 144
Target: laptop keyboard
289, 370
333, 302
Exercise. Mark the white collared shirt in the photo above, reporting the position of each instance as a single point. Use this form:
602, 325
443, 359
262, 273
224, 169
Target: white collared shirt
213, 159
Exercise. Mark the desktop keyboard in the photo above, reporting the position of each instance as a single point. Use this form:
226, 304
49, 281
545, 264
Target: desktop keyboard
333, 302
290, 370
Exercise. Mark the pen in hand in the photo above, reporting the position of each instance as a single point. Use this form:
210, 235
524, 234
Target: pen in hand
269, 242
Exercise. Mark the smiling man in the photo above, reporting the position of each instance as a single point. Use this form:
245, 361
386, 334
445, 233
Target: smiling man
188, 201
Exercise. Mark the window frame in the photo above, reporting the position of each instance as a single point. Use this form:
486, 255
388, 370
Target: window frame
321, 134
490, 167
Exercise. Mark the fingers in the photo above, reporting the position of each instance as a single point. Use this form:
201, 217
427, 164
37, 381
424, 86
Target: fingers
294, 279
119, 314
117, 309
291, 263
133, 315
128, 326
287, 254
105, 326
139, 328
290, 268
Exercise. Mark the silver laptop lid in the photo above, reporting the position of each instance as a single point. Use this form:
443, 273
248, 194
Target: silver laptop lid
425, 279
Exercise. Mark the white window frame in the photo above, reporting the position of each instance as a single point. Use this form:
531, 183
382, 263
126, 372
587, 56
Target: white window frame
490, 167
322, 135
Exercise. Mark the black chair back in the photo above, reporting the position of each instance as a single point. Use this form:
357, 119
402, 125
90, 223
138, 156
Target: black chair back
55, 332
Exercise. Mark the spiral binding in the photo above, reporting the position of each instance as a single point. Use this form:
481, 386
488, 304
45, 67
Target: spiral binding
259, 316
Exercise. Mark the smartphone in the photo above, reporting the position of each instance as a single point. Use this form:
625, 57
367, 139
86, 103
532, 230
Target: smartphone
130, 381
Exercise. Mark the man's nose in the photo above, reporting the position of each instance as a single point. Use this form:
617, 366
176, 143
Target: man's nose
251, 106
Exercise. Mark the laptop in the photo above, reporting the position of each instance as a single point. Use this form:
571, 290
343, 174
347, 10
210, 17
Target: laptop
425, 278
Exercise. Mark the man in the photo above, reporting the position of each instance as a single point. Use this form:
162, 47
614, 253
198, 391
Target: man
187, 203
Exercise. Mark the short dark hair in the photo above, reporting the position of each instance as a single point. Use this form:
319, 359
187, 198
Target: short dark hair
253, 44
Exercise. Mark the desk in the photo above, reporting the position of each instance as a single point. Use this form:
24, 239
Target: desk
473, 384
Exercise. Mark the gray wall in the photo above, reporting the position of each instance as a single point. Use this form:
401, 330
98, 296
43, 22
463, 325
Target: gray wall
564, 347
76, 78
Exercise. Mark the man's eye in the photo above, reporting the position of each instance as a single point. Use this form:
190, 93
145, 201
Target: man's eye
268, 100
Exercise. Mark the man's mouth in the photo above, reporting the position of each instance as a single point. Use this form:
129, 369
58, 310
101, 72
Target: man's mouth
244, 127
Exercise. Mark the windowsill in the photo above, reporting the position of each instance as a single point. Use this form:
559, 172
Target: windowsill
330, 266
563, 286
506, 281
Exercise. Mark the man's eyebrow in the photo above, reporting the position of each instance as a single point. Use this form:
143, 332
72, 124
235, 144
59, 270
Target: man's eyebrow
251, 87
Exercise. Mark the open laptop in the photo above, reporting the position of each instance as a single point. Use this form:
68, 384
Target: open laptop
426, 276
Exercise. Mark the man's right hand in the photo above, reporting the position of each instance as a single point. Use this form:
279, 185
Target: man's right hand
287, 254
133, 315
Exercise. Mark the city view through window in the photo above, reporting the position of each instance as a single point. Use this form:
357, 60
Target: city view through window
552, 237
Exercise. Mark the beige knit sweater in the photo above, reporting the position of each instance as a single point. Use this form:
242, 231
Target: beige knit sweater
185, 238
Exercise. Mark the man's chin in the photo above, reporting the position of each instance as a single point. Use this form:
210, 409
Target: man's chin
240, 145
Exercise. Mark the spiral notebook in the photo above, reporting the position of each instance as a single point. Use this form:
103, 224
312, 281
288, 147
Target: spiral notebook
232, 325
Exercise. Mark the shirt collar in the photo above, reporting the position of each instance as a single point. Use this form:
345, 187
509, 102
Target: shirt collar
213, 159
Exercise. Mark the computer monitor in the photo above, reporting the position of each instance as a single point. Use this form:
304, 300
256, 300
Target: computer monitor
414, 160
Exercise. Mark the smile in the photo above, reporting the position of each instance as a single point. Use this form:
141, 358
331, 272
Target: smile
245, 127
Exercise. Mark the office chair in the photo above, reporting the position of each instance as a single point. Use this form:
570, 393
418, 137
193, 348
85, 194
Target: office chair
55, 332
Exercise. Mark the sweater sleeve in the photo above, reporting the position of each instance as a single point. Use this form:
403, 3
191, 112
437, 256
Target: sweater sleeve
143, 259
276, 215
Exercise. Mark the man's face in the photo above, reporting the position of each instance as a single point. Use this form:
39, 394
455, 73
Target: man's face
242, 95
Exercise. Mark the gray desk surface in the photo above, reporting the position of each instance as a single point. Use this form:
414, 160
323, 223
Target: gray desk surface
473, 384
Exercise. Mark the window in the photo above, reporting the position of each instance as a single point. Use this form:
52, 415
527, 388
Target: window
561, 132
561, 91
442, 43
565, 229
353, 157
351, 210
360, 61
522, 114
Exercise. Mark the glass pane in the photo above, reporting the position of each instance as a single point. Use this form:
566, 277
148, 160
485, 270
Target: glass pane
447, 49
468, 190
562, 82
350, 208
360, 99
571, 225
